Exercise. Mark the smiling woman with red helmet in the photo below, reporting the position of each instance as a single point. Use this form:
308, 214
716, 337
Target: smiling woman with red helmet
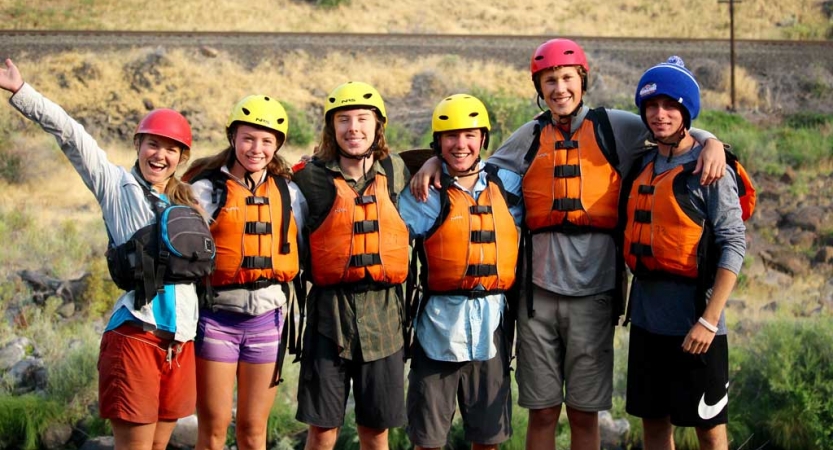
146, 365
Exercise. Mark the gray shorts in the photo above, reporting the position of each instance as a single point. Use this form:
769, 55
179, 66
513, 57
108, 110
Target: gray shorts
565, 352
482, 389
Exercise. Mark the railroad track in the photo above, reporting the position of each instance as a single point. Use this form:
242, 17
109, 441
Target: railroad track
759, 56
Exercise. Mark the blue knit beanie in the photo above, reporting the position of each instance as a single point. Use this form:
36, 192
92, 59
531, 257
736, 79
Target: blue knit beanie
670, 78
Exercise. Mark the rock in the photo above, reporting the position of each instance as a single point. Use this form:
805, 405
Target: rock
56, 436
208, 52
185, 433
29, 374
13, 353
100, 443
803, 239
809, 218
788, 177
771, 306
613, 432
66, 310
733, 304
824, 255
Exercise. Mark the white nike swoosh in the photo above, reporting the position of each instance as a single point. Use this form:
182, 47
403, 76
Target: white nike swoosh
707, 412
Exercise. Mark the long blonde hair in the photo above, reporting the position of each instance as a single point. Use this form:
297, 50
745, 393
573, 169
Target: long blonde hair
328, 147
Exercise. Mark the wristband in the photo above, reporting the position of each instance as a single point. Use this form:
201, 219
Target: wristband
707, 325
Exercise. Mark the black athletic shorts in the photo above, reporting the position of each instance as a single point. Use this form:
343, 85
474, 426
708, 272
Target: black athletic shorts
324, 386
664, 381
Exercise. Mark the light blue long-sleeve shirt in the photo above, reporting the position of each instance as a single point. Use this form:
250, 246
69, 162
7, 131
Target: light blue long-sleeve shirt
455, 327
124, 207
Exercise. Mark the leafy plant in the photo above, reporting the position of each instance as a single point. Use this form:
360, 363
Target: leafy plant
24, 418
782, 386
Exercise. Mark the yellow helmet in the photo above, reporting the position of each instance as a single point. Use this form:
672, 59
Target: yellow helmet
355, 94
460, 112
262, 111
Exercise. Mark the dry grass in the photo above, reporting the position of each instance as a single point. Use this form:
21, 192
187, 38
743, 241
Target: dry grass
755, 19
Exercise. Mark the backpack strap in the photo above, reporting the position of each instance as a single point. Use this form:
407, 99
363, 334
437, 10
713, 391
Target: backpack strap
604, 135
541, 121
387, 166
286, 208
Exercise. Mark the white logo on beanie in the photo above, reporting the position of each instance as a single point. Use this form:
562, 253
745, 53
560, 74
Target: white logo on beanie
648, 89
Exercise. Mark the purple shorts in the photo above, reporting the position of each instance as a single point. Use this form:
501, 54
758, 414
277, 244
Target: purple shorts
224, 336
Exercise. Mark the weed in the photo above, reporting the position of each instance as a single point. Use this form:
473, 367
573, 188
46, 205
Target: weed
301, 131
24, 418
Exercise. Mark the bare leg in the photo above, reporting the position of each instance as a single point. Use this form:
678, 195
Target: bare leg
255, 396
215, 398
141, 436
713, 438
658, 434
372, 438
584, 430
540, 431
321, 438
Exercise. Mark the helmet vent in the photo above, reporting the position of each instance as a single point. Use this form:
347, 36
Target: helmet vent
539, 57
568, 52
267, 98
332, 99
246, 111
443, 117
367, 96
281, 120
474, 114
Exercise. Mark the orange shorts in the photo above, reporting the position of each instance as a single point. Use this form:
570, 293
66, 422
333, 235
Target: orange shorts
143, 378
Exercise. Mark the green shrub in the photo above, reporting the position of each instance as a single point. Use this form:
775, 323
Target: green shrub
73, 377
400, 138
506, 113
100, 293
24, 418
301, 130
804, 147
780, 396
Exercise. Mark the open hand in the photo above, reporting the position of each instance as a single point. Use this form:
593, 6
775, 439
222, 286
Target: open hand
10, 78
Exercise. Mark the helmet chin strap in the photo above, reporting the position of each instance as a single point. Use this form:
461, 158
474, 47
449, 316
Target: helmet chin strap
247, 178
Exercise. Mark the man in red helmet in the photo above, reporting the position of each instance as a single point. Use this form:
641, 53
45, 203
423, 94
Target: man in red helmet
572, 159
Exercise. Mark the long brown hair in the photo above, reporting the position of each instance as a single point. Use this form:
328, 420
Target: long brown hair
277, 166
177, 192
328, 147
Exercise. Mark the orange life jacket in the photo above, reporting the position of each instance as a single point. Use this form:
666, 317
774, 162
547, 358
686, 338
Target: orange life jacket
363, 238
662, 233
474, 245
255, 233
572, 183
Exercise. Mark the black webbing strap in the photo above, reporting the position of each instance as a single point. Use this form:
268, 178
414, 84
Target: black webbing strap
286, 204
365, 259
258, 228
257, 262
481, 270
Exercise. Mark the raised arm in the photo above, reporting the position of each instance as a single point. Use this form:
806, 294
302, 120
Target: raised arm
10, 78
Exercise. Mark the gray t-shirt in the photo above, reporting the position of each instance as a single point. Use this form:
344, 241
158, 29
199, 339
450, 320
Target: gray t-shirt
577, 264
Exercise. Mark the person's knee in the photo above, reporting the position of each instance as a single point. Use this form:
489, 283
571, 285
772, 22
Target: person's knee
250, 434
321, 438
372, 438
582, 419
544, 417
713, 438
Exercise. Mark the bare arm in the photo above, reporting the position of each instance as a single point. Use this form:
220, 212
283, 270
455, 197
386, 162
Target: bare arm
711, 165
421, 181
699, 338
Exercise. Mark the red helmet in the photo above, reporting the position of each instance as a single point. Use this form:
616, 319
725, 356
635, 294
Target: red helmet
166, 123
557, 53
